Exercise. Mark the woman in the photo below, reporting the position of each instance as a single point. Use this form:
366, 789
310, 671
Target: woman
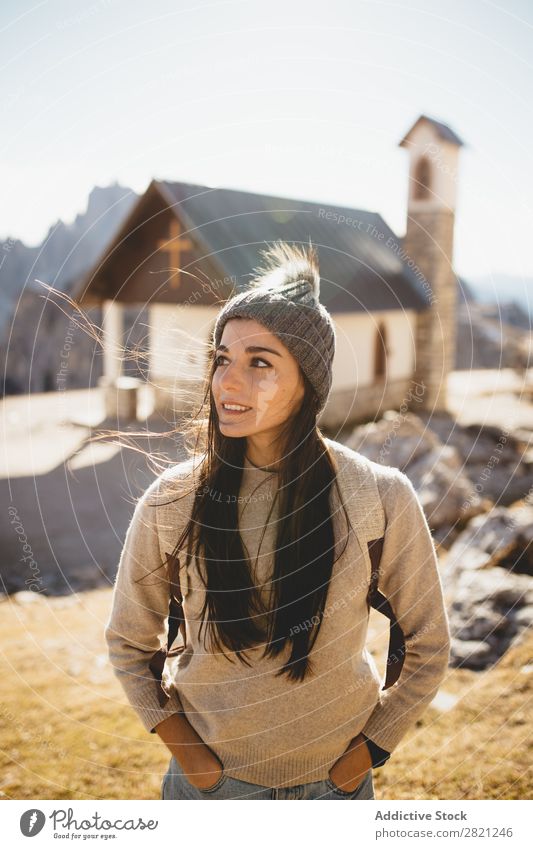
273, 695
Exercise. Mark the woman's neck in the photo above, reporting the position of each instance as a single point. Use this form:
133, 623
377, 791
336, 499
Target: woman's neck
262, 456
262, 468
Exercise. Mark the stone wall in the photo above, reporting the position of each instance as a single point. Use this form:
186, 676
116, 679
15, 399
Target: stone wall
429, 242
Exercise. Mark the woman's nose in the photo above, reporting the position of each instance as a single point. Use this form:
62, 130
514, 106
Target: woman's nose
231, 376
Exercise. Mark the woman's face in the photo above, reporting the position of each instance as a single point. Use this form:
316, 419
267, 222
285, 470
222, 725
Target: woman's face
253, 368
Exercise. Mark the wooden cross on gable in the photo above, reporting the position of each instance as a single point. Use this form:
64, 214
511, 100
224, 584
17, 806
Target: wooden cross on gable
173, 246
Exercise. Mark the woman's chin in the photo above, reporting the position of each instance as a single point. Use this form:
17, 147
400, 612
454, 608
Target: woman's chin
233, 429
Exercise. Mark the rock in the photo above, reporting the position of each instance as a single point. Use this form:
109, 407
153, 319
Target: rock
523, 617
502, 484
472, 654
495, 460
444, 701
445, 493
434, 468
61, 601
445, 536
498, 586
74, 668
476, 443
502, 537
485, 622
395, 440
458, 473
27, 597
490, 606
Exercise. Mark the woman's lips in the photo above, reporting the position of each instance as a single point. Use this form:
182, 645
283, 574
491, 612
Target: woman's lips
234, 413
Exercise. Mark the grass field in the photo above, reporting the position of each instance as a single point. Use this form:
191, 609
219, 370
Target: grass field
67, 732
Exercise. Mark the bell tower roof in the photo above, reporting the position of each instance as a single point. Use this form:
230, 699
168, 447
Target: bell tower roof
443, 131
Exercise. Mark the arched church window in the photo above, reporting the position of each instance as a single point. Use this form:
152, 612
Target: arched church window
422, 179
380, 352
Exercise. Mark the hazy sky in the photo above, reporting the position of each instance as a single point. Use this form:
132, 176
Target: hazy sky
301, 99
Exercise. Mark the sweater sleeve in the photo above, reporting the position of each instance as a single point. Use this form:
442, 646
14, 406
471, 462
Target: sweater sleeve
410, 580
138, 623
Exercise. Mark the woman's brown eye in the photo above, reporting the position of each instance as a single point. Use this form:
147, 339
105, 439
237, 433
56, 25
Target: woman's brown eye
255, 360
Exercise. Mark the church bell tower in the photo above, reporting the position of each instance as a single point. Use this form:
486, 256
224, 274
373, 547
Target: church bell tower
433, 150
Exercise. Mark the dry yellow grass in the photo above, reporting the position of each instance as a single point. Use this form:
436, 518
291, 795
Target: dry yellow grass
66, 731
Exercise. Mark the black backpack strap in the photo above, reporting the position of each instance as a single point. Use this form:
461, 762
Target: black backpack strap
176, 617
176, 622
377, 600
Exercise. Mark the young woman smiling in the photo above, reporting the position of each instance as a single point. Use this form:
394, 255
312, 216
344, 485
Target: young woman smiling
273, 694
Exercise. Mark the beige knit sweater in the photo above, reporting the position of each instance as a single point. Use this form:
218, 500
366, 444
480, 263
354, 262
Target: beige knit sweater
264, 728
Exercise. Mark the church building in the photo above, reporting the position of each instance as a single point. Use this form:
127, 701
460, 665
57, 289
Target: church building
184, 249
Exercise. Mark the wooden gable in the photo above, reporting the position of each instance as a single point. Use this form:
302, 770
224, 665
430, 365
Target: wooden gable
154, 259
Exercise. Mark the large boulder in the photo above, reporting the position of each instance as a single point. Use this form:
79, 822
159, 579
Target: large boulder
395, 440
459, 473
435, 470
501, 538
497, 461
487, 609
445, 492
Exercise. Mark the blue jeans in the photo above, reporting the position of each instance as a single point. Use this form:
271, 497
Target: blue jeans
176, 786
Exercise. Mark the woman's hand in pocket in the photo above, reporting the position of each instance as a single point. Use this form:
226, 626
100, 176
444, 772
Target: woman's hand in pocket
202, 768
199, 763
349, 770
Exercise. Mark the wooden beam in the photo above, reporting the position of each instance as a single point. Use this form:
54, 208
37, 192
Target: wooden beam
173, 246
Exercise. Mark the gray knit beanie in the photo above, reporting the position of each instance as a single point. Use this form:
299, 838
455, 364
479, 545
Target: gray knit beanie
284, 298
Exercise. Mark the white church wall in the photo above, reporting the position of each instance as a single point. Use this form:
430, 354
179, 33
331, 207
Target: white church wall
178, 353
354, 357
178, 350
178, 340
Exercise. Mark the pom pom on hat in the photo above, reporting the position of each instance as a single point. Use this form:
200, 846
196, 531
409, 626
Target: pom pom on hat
284, 265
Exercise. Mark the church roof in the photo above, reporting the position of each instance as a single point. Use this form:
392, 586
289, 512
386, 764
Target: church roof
359, 255
443, 131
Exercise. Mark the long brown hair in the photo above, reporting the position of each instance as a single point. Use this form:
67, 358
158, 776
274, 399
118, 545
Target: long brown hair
304, 551
305, 543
